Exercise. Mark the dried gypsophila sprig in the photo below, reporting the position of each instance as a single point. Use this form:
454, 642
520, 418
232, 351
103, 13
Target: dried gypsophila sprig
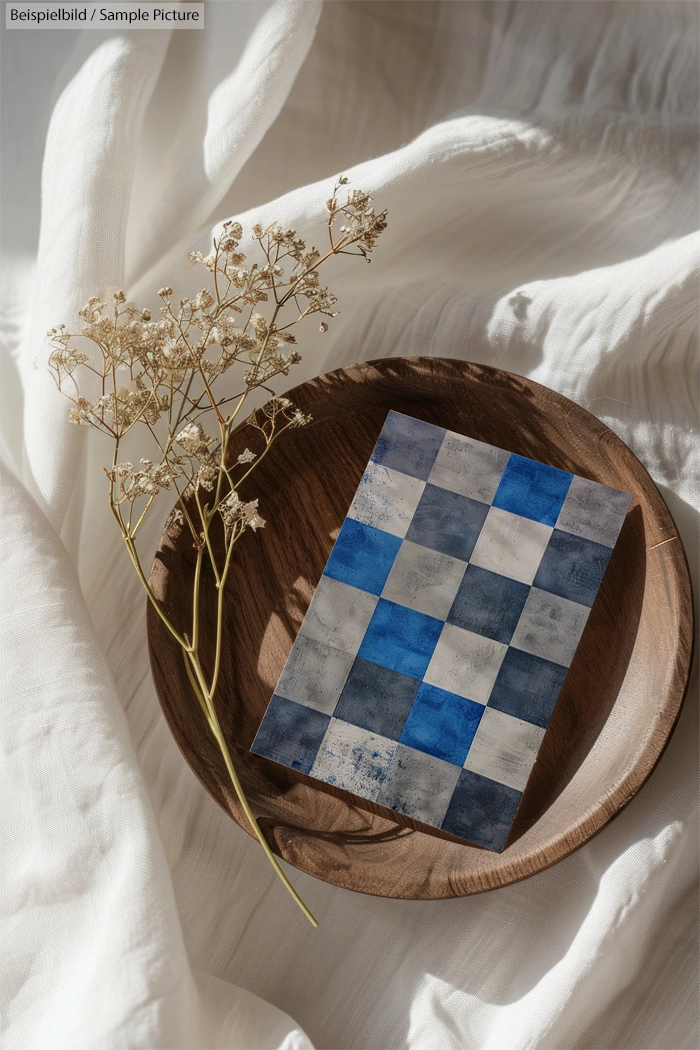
160, 372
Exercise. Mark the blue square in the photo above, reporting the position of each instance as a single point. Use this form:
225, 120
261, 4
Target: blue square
442, 724
377, 699
447, 522
481, 810
488, 604
572, 567
532, 490
527, 687
362, 556
400, 638
290, 734
408, 445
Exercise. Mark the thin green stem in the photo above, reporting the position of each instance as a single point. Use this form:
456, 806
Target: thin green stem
240, 794
195, 599
205, 532
197, 691
222, 462
151, 596
254, 824
135, 529
219, 617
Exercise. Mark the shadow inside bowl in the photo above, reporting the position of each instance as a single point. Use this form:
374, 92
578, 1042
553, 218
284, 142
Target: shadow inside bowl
594, 679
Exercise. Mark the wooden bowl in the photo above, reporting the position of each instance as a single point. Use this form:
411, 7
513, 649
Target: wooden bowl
621, 698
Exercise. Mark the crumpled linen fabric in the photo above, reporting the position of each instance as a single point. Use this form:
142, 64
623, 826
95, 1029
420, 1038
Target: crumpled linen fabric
539, 164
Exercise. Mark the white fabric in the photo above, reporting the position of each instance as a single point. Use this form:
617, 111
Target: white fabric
539, 163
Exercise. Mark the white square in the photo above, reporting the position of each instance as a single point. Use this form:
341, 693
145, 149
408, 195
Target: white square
593, 511
314, 674
465, 663
550, 627
419, 785
511, 545
386, 499
338, 615
504, 749
469, 467
424, 579
353, 759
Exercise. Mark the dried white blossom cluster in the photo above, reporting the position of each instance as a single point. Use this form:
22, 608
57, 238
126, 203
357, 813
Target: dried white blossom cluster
162, 372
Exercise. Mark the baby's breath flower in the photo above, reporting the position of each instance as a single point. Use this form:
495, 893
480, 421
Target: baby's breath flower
131, 484
193, 439
82, 412
233, 512
204, 300
299, 419
255, 522
207, 474
167, 367
67, 360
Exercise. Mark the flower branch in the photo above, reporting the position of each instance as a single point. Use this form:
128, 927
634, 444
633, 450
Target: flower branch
160, 373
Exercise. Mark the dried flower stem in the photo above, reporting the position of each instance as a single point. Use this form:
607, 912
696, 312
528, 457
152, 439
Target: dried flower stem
169, 368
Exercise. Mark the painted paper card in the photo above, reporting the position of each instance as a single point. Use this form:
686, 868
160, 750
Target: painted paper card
426, 670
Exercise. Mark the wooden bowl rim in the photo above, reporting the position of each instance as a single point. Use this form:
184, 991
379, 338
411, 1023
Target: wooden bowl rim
614, 799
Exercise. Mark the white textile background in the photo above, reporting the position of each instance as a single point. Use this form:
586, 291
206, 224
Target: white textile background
539, 164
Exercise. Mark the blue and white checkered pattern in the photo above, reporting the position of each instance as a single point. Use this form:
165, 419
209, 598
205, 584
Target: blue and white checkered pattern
436, 645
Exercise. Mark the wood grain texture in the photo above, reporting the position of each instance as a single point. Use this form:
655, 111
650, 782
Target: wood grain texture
621, 698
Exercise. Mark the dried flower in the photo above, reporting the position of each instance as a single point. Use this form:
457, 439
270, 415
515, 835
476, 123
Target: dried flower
193, 439
131, 484
234, 512
159, 373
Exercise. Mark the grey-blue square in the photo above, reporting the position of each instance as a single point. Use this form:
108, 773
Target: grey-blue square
290, 734
527, 687
376, 698
442, 724
572, 567
481, 810
532, 490
362, 556
447, 522
408, 445
400, 638
488, 604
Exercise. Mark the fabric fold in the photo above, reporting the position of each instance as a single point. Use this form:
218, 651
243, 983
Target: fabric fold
539, 163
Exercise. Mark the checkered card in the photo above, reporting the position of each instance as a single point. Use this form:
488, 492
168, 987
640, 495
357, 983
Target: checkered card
429, 662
